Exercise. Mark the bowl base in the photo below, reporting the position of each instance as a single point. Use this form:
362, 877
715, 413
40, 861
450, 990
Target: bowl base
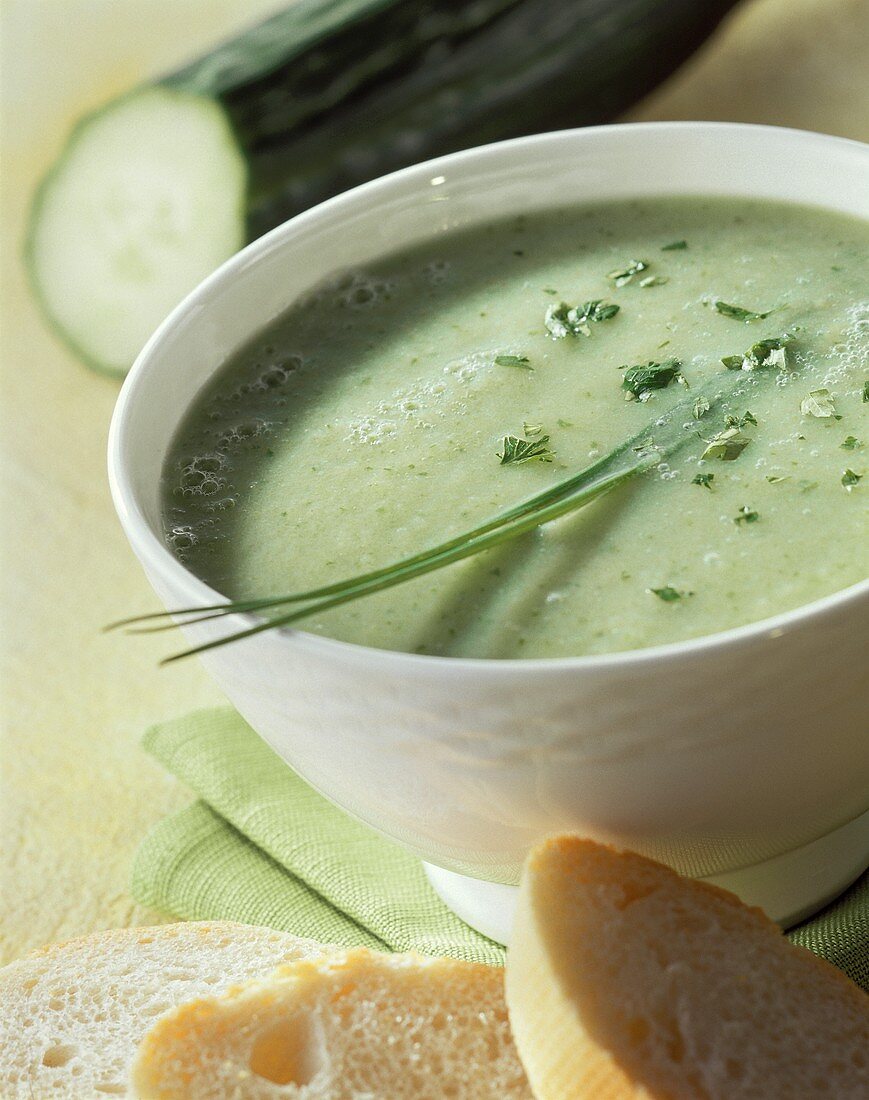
789, 887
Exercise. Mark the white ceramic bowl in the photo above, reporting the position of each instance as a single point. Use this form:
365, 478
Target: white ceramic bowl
725, 756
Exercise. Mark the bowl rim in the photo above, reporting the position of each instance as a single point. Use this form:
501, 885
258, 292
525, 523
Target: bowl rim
153, 552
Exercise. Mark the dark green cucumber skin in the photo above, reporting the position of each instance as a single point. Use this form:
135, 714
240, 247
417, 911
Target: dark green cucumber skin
332, 93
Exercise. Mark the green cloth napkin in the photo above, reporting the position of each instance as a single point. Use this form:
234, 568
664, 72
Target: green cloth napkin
261, 846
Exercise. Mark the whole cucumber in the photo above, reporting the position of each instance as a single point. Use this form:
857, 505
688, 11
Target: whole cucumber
156, 189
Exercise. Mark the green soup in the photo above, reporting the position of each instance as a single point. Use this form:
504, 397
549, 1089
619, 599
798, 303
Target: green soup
369, 422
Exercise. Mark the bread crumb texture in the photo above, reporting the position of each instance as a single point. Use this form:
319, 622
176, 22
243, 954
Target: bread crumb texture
355, 1025
72, 1014
626, 980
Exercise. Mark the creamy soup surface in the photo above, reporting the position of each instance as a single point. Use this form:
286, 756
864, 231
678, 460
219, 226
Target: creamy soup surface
369, 422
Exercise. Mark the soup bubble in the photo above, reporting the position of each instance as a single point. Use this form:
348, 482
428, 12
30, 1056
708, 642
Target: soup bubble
181, 537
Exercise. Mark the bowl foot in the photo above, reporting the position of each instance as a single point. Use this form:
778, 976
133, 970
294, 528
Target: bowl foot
788, 887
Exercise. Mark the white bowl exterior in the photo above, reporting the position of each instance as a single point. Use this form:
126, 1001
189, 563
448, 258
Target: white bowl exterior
712, 754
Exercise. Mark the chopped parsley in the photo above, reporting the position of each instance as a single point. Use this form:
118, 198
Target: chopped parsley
669, 594
851, 443
769, 353
727, 445
563, 320
850, 479
595, 310
621, 277
740, 421
774, 479
701, 407
531, 430
738, 313
555, 321
674, 246
523, 450
513, 361
640, 381
654, 280
703, 479
866, 391
765, 353
819, 403
600, 310
746, 515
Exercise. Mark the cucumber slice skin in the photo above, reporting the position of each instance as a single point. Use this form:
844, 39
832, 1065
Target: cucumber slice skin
332, 93
30, 266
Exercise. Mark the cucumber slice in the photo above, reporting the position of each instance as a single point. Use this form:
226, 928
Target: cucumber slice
147, 199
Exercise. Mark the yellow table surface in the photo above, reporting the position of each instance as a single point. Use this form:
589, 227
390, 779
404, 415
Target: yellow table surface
76, 792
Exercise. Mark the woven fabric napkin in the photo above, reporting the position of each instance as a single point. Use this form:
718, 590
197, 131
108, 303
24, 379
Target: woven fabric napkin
260, 846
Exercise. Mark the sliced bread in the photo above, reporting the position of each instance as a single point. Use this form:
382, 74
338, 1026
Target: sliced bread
72, 1014
626, 980
354, 1025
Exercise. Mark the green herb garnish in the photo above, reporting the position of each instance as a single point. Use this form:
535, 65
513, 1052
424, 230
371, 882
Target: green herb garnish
669, 594
523, 450
563, 320
640, 381
654, 280
623, 276
674, 246
771, 352
819, 403
513, 361
738, 313
740, 421
850, 479
601, 311
727, 445
866, 391
703, 479
774, 479
701, 407
746, 515
765, 353
851, 443
555, 321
